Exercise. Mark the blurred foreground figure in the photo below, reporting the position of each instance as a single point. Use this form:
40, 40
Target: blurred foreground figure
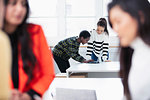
5, 59
131, 20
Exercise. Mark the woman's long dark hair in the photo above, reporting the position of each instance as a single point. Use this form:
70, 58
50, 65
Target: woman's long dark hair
27, 54
138, 9
102, 22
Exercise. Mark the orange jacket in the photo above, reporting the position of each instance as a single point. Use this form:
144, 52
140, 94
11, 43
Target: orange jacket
44, 69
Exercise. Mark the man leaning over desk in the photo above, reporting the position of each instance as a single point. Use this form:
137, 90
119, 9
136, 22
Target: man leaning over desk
69, 48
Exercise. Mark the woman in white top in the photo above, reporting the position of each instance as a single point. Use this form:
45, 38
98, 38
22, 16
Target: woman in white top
98, 44
131, 20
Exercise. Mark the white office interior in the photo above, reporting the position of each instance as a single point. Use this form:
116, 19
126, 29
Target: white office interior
66, 18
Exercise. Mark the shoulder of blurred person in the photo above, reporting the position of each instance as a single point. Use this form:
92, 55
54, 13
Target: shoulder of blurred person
5, 65
34, 28
5, 51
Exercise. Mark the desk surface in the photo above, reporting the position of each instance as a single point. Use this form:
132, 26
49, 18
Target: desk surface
100, 67
106, 88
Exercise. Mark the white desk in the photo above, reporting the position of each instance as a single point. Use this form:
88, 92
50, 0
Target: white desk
104, 67
106, 88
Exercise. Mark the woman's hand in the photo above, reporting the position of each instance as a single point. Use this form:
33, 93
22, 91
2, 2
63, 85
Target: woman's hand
15, 95
25, 96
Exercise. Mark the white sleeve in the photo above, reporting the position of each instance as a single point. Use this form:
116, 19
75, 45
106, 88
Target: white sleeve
90, 45
105, 48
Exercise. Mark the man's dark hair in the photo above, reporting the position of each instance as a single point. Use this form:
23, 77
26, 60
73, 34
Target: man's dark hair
85, 34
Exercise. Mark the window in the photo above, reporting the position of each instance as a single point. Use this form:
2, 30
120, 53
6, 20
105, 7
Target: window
44, 13
105, 10
105, 13
49, 25
80, 8
79, 16
75, 25
66, 18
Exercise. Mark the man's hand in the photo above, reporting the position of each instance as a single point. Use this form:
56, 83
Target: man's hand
87, 61
107, 61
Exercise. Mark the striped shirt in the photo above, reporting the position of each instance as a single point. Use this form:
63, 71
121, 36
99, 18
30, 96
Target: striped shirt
67, 49
99, 45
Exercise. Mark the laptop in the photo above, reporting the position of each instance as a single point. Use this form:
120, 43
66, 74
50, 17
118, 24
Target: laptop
75, 94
